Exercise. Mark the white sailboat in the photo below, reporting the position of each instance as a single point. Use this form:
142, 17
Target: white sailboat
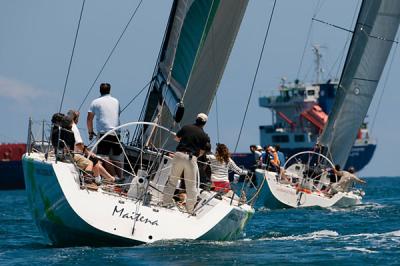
307, 176
196, 47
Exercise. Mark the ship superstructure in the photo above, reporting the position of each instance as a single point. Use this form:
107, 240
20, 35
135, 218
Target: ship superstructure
299, 114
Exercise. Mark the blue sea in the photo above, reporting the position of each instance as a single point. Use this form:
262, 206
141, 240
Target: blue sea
368, 234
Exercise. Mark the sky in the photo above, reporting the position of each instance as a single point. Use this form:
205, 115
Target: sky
37, 39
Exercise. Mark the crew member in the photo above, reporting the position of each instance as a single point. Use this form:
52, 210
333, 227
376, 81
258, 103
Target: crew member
80, 149
221, 164
346, 181
281, 156
106, 110
192, 143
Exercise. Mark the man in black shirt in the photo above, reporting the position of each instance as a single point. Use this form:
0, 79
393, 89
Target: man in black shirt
192, 143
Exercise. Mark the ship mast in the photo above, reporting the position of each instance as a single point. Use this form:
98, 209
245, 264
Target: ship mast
318, 69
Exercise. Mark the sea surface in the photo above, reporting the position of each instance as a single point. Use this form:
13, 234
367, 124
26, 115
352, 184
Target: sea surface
368, 234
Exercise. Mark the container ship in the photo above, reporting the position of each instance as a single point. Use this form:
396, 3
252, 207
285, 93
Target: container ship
11, 175
299, 113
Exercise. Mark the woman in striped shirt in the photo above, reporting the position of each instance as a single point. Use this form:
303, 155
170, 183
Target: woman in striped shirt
220, 164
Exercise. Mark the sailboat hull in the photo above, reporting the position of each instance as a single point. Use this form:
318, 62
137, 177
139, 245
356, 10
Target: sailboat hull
56, 220
276, 195
67, 215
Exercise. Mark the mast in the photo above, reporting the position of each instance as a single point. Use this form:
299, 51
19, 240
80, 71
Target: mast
199, 38
318, 55
374, 32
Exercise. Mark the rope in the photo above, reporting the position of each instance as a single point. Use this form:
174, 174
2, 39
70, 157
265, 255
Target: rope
253, 198
383, 89
111, 53
72, 55
348, 39
304, 49
214, 52
332, 25
255, 75
217, 118
137, 95
317, 8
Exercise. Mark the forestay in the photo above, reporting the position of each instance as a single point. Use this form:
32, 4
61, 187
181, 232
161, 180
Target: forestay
198, 40
375, 30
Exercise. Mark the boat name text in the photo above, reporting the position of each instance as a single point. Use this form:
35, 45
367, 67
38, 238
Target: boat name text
135, 216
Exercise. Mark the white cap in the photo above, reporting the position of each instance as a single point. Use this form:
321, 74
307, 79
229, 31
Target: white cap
203, 117
259, 148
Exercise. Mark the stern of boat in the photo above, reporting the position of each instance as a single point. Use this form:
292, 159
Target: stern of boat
68, 212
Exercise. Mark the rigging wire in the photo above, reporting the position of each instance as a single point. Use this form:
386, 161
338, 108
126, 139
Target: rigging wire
332, 25
316, 10
217, 115
342, 55
383, 88
155, 71
72, 56
137, 95
304, 49
309, 70
255, 75
111, 53
214, 55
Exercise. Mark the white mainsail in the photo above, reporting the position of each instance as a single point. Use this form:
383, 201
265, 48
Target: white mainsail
197, 45
374, 32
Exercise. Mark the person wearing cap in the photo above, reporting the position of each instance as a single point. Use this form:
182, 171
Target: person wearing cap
192, 143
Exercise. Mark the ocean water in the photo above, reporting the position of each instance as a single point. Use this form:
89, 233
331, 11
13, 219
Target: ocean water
368, 234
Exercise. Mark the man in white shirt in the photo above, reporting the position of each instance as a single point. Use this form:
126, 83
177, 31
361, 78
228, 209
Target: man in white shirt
106, 110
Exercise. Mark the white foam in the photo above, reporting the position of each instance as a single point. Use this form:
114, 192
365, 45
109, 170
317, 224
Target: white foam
394, 233
333, 234
376, 240
364, 206
369, 205
263, 209
326, 233
363, 250
220, 243
310, 236
374, 235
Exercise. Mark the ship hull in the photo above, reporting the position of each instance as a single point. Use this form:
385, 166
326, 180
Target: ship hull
11, 175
